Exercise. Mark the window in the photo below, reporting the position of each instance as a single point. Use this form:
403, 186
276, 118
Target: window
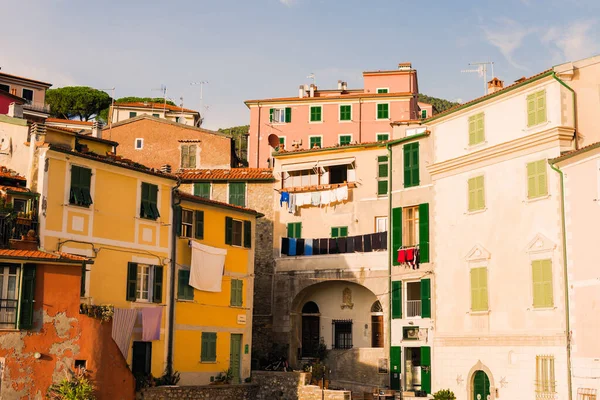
236, 293
144, 282
9, 295
342, 334
188, 156
423, 114
28, 95
586, 394
413, 299
339, 231
199, 224
178, 119
380, 224
132, 114
280, 115
410, 235
237, 194
536, 108
345, 112
545, 382
238, 232
402, 232
184, 290
4, 87
345, 140
294, 230
80, 364
382, 90
139, 144
19, 205
338, 174
209, 347
148, 207
537, 183
382, 137
476, 129
202, 189
411, 164
479, 291
187, 223
156, 115
315, 141
476, 194
315, 113
383, 111
382, 175
542, 283
81, 179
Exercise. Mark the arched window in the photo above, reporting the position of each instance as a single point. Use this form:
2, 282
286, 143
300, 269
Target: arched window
376, 307
310, 308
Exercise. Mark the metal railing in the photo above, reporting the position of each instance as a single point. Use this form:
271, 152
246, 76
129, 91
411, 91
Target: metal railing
413, 308
45, 108
14, 227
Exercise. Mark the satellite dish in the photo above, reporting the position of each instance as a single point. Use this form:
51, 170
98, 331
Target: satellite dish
273, 140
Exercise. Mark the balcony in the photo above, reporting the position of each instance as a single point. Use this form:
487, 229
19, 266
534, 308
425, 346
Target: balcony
41, 108
16, 227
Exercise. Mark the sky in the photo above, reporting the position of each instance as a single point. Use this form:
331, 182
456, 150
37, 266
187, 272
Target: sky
252, 49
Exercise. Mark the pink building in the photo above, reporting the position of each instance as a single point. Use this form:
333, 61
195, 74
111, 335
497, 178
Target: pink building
324, 118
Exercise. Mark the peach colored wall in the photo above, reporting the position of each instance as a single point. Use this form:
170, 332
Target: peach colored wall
39, 92
396, 82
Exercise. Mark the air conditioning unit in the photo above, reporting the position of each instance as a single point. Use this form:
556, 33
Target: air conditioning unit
411, 333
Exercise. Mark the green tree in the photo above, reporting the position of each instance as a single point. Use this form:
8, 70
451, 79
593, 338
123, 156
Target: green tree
103, 114
76, 101
439, 105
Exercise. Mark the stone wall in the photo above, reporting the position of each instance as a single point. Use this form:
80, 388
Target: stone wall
210, 392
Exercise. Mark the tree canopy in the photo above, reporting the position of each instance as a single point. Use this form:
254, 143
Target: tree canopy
236, 131
76, 101
439, 105
103, 115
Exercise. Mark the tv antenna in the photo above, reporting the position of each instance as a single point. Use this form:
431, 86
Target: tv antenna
312, 76
201, 83
163, 89
482, 71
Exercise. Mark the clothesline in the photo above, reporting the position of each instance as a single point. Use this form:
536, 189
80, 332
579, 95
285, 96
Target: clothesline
315, 198
341, 245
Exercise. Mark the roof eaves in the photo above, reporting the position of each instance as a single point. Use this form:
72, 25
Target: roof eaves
166, 121
574, 153
201, 200
408, 138
332, 148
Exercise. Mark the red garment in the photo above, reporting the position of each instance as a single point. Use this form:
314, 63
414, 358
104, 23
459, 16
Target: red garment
410, 254
401, 256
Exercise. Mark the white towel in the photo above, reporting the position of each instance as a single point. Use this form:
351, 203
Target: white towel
341, 193
206, 272
299, 200
122, 328
332, 195
306, 198
325, 197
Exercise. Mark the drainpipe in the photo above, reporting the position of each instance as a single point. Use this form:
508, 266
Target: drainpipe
359, 120
171, 320
390, 255
567, 311
574, 110
258, 140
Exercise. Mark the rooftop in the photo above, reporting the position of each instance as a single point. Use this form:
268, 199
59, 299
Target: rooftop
4, 74
165, 121
18, 99
79, 135
574, 153
341, 96
9, 173
202, 200
69, 121
233, 174
39, 255
155, 106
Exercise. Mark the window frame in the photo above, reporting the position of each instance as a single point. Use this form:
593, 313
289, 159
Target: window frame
310, 115
237, 222
154, 212
406, 228
85, 190
311, 137
149, 279
141, 141
296, 229
424, 114
340, 113
385, 90
545, 376
477, 134
475, 207
282, 113
487, 291
383, 179
382, 133
337, 232
17, 293
187, 227
185, 296
132, 114
388, 117
377, 220
199, 194
210, 355
189, 156
347, 341
245, 194
32, 95
344, 135
155, 115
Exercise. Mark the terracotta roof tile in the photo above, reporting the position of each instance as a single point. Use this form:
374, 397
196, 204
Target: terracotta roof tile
41, 255
156, 106
69, 121
245, 174
202, 200
574, 153
9, 173
343, 96
14, 188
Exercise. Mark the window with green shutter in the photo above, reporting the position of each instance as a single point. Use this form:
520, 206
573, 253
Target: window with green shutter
382, 137
149, 207
383, 111
536, 108
476, 129
156, 115
188, 155
396, 233
476, 193
411, 164
237, 193
27, 294
382, 175
423, 114
315, 141
247, 234
345, 113
315, 113
236, 293
81, 179
479, 291
288, 115
537, 180
542, 283
202, 189
132, 114
396, 299
339, 231
425, 298
426, 369
294, 230
382, 90
199, 224
208, 347
184, 290
345, 140
424, 232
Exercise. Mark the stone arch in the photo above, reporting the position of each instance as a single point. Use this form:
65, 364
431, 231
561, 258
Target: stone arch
479, 366
377, 307
310, 307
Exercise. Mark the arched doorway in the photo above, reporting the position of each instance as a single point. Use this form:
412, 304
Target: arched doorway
481, 386
311, 324
376, 324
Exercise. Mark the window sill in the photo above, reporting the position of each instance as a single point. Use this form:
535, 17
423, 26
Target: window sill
237, 307
410, 186
476, 211
476, 146
149, 219
315, 122
345, 121
11, 330
383, 119
81, 207
535, 199
542, 308
476, 313
207, 362
537, 126
185, 300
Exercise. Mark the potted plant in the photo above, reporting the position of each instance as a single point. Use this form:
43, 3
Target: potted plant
445, 394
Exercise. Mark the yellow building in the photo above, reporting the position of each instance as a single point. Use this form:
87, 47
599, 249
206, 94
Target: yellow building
213, 330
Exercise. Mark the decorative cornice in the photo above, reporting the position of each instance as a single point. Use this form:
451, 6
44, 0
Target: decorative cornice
474, 340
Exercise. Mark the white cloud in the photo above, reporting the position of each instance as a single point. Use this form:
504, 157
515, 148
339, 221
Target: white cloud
573, 42
507, 35
287, 3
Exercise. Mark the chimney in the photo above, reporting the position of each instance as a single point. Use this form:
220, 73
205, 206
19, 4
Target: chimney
312, 90
344, 86
97, 130
166, 169
404, 66
301, 91
15, 110
340, 83
495, 85
36, 130
521, 79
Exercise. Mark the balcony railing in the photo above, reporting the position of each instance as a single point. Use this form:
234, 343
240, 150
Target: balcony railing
342, 245
413, 308
13, 226
43, 108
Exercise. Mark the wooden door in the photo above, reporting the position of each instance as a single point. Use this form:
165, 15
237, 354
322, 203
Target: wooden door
141, 360
235, 357
376, 330
310, 335
481, 386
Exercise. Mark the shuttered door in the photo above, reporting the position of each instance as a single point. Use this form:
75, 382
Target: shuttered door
377, 331
396, 233
396, 299
426, 369
27, 297
395, 363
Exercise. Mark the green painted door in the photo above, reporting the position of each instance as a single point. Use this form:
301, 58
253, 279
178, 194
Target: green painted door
481, 386
235, 357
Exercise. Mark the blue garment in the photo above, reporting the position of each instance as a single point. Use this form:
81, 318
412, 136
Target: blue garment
308, 247
292, 251
285, 198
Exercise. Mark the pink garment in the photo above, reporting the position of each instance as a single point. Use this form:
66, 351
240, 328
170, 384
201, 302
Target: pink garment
151, 319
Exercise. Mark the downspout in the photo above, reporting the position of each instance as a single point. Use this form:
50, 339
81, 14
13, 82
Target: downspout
567, 310
171, 320
390, 255
574, 108
359, 120
258, 140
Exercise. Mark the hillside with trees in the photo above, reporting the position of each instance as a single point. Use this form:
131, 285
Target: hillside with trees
439, 105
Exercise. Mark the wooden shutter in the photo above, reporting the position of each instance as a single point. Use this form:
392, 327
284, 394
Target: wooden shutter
480, 127
396, 358
248, 234
472, 130
271, 115
192, 156
185, 156
425, 298
209, 347
540, 109
532, 187
131, 281
542, 283
197, 188
334, 232
480, 193
424, 232
411, 164
85, 182
542, 180
531, 110
396, 299
233, 293
199, 232
183, 279
343, 231
298, 230
290, 230
479, 295
27, 297
158, 284
228, 230
426, 368
288, 114
177, 219
396, 233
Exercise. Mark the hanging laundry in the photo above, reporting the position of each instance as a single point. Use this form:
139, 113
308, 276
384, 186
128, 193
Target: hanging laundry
292, 251
308, 247
323, 246
292, 207
285, 198
325, 198
401, 256
368, 243
376, 242
410, 254
341, 193
341, 244
206, 272
285, 246
151, 319
299, 247
299, 200
358, 244
332, 196
417, 258
349, 245
383, 240
307, 198
122, 328
333, 246
315, 198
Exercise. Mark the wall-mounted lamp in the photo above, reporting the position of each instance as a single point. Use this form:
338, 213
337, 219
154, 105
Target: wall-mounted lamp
411, 323
37, 355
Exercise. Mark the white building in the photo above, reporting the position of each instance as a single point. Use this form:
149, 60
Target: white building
122, 111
